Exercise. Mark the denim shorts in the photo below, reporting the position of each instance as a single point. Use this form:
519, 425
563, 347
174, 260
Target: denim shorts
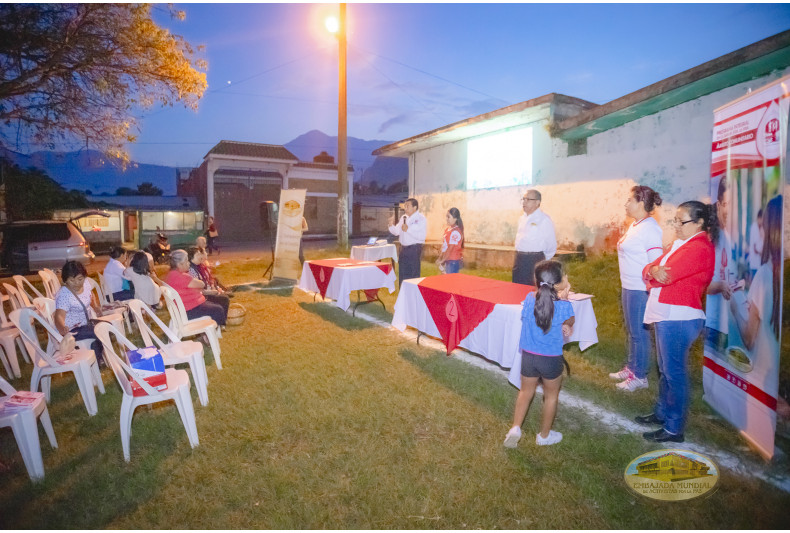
541, 366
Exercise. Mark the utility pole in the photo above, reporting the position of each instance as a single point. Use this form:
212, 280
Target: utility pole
342, 140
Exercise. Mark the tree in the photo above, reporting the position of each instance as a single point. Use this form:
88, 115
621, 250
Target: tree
74, 73
31, 194
148, 189
125, 191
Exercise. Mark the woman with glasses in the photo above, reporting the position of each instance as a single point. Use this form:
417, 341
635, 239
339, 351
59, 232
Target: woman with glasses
640, 245
677, 280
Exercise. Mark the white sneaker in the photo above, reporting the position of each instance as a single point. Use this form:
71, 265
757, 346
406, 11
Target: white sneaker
625, 373
632, 384
512, 437
553, 438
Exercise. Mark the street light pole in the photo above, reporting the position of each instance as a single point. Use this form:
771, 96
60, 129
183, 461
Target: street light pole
342, 140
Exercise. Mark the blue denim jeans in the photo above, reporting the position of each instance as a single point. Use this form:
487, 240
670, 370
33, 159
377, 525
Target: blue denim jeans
452, 266
637, 332
673, 340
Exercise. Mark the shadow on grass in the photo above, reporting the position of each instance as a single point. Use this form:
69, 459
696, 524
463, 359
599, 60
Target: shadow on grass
83, 490
337, 316
483, 388
274, 287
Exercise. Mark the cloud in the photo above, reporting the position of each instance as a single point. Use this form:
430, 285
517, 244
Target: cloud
580, 77
398, 120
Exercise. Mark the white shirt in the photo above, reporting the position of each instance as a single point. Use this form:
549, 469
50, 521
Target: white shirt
755, 246
656, 311
75, 313
640, 245
144, 287
536, 234
418, 229
113, 276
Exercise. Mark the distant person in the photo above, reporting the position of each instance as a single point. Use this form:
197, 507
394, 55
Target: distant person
115, 281
411, 230
301, 240
546, 319
146, 284
212, 234
159, 248
677, 280
535, 239
640, 245
451, 254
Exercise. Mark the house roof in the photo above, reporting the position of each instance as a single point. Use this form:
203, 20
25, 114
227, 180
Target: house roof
326, 166
243, 172
151, 203
245, 149
510, 116
753, 61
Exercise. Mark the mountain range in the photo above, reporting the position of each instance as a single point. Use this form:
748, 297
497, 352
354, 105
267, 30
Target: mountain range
91, 170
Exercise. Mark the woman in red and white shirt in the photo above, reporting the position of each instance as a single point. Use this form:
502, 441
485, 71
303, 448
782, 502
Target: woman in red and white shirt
677, 281
449, 260
640, 245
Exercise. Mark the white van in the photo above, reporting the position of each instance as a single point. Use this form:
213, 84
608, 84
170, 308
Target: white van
33, 245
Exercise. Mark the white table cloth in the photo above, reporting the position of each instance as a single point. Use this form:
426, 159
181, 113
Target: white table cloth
496, 338
374, 252
344, 280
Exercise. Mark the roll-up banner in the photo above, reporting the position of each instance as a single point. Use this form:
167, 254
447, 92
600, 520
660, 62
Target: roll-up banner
289, 234
744, 302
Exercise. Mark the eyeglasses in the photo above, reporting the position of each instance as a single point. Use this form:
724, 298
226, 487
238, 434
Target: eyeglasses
525, 199
678, 222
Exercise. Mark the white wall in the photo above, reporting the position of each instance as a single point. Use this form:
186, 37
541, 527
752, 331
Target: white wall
584, 194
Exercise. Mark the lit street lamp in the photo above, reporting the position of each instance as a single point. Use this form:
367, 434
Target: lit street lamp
338, 27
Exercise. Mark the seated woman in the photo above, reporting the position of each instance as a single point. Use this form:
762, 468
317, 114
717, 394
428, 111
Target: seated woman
115, 280
75, 306
191, 290
199, 270
205, 270
146, 284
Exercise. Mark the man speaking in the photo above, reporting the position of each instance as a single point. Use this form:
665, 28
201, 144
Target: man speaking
411, 230
535, 239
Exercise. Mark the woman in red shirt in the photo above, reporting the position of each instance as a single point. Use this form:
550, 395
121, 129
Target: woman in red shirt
191, 290
449, 260
677, 281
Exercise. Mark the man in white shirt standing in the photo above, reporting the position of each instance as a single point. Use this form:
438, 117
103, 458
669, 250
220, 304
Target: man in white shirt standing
411, 230
535, 239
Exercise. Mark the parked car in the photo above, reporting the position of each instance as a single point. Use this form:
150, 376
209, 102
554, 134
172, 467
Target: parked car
36, 244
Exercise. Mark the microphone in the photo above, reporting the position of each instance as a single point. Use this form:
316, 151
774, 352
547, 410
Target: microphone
404, 219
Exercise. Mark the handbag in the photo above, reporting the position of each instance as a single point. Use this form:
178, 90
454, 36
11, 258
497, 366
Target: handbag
67, 344
213, 234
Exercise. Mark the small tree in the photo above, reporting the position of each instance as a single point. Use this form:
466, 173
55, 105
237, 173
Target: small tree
31, 194
76, 72
148, 189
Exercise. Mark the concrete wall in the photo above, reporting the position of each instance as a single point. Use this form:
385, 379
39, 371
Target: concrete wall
584, 194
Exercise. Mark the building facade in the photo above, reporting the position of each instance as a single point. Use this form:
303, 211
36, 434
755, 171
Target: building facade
236, 179
583, 158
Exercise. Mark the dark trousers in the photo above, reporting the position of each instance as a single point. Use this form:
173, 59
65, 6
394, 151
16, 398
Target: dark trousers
123, 295
209, 309
220, 299
82, 333
524, 267
409, 262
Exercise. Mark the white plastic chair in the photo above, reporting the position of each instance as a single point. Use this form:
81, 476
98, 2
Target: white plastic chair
110, 314
9, 340
47, 362
22, 421
51, 282
177, 388
27, 290
185, 328
17, 300
176, 351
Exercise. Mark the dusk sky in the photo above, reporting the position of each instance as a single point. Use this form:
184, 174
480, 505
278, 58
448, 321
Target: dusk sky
416, 67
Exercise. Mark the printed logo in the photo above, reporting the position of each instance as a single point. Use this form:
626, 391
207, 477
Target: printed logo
768, 133
451, 310
321, 275
671, 475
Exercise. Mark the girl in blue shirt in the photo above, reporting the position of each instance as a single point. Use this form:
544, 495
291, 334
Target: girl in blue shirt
546, 319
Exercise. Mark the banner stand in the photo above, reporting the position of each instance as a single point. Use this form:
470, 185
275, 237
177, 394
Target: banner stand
289, 235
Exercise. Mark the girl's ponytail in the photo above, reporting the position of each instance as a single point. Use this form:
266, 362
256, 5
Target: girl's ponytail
547, 275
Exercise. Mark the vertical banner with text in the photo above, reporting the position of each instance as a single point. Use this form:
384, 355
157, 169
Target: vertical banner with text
744, 302
289, 234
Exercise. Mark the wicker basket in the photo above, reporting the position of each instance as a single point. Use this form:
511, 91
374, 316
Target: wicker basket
236, 314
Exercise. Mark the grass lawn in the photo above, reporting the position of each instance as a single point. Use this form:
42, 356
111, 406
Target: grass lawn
321, 420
